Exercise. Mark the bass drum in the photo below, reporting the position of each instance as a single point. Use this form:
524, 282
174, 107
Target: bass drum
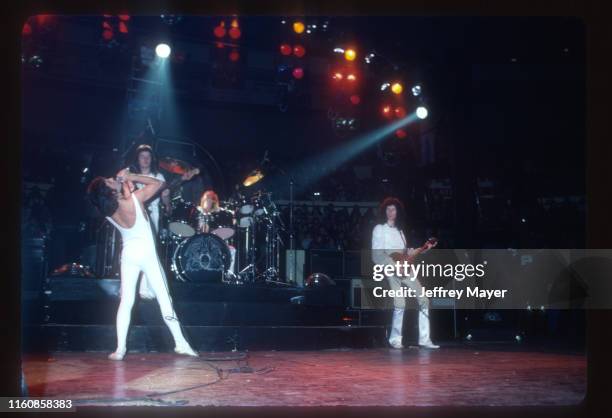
201, 258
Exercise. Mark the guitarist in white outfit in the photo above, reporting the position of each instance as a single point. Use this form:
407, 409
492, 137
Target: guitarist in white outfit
389, 246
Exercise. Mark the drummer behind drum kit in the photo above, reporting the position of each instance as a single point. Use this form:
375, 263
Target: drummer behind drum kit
239, 243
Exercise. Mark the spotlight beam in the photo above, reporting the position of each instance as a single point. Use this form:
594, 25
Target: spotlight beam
328, 162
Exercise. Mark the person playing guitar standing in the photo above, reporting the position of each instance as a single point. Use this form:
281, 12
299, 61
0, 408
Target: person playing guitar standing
388, 246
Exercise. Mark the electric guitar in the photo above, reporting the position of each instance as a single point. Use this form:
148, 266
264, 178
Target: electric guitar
403, 256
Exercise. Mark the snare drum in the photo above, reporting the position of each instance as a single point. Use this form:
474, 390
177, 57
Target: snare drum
179, 223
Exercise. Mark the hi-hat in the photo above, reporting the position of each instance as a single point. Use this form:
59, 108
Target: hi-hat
253, 178
174, 165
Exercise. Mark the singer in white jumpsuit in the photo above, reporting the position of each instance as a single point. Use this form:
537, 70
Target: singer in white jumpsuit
139, 255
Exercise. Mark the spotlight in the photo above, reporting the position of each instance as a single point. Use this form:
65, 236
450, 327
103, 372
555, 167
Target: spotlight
123, 27
299, 51
384, 86
171, 19
298, 73
285, 49
416, 90
298, 27
355, 99
386, 111
220, 31
351, 77
27, 29
234, 33
35, 61
107, 34
401, 134
234, 56
421, 112
400, 112
350, 55
162, 50
339, 50
397, 88
337, 76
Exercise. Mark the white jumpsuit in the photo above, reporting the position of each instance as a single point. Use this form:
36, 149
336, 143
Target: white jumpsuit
139, 255
385, 241
153, 207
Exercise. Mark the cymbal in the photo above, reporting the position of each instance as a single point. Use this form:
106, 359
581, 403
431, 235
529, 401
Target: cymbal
174, 165
253, 178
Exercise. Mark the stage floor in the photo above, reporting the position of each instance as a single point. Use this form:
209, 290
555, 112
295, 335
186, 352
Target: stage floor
450, 376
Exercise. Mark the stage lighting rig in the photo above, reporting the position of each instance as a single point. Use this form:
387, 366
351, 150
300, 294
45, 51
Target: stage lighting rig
171, 20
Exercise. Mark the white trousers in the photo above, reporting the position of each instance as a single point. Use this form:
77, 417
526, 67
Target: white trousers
144, 289
399, 306
137, 258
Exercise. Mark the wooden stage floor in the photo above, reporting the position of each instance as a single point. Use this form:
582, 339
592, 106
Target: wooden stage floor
450, 376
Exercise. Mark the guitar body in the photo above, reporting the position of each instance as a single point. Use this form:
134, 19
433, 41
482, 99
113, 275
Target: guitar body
403, 256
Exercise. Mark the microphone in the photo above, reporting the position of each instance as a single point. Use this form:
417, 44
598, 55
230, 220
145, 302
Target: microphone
150, 125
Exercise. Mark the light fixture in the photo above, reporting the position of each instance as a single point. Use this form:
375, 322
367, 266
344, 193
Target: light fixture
421, 112
163, 50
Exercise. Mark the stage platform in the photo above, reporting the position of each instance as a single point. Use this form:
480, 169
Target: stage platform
456, 375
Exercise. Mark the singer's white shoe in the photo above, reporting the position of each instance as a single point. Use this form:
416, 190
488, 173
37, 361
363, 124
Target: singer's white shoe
117, 355
186, 350
429, 344
397, 344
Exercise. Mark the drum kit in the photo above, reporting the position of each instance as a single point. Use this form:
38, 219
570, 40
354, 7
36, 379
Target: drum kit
238, 242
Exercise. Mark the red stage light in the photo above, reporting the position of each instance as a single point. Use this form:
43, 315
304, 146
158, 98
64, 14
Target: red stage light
234, 56
299, 51
355, 99
125, 18
234, 23
123, 27
234, 33
42, 19
298, 73
386, 111
220, 45
220, 30
337, 76
27, 29
286, 49
106, 26
107, 35
351, 77
401, 134
400, 112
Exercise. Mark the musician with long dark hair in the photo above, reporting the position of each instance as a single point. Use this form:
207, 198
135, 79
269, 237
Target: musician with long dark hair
389, 241
145, 163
